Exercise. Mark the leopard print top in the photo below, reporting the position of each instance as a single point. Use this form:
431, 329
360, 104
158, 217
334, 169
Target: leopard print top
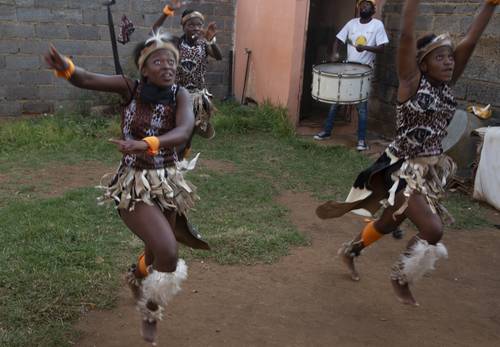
422, 121
140, 119
192, 65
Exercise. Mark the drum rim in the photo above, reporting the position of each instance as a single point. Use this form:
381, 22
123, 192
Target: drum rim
353, 76
333, 74
345, 63
329, 101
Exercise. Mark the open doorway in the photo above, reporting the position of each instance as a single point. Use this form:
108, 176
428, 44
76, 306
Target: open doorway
326, 18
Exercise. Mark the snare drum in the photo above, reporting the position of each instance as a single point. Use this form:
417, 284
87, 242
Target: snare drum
341, 83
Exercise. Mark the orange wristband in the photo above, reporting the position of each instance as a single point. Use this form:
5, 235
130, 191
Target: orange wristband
68, 72
168, 11
153, 144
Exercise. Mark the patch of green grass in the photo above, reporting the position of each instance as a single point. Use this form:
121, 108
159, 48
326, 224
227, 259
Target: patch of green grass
263, 141
231, 118
468, 213
61, 256
240, 218
70, 138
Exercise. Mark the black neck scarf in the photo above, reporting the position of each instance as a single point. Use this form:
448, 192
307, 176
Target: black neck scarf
157, 95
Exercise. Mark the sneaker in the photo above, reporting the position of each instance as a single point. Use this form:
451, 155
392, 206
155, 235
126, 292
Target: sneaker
322, 136
362, 146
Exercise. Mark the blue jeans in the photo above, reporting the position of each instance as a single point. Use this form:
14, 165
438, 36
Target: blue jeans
362, 119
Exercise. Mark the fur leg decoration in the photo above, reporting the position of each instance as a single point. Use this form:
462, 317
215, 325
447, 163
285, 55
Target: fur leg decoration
351, 249
133, 282
416, 261
158, 288
348, 252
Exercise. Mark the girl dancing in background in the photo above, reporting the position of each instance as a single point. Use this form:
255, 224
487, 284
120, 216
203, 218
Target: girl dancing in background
195, 46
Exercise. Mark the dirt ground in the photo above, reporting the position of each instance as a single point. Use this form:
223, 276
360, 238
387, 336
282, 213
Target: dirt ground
307, 299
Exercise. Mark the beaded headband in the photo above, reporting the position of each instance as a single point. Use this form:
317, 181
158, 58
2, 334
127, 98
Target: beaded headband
374, 3
192, 15
154, 43
439, 41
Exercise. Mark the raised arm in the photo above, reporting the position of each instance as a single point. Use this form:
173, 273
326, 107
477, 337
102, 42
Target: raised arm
408, 70
159, 22
213, 49
466, 46
168, 11
87, 80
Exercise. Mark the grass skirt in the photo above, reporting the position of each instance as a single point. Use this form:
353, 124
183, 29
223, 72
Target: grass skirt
203, 110
377, 186
164, 187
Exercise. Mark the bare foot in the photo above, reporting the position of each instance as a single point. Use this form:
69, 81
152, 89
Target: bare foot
403, 293
349, 261
148, 331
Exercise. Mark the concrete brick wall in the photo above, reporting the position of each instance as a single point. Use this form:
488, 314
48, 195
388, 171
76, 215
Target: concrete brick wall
480, 82
79, 28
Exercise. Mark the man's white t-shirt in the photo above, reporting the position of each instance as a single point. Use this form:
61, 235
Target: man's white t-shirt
368, 34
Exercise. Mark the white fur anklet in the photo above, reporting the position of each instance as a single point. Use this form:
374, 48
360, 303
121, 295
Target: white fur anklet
416, 261
149, 315
131, 279
159, 288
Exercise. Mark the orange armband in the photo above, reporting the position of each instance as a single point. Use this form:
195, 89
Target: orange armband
370, 234
153, 144
68, 72
168, 11
142, 267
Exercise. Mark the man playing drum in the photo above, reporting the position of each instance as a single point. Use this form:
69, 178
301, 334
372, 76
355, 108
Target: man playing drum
365, 36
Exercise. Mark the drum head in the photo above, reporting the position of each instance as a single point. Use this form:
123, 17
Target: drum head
457, 128
343, 68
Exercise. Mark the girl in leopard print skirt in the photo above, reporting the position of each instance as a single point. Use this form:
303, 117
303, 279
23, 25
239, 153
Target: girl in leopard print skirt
149, 188
410, 176
195, 46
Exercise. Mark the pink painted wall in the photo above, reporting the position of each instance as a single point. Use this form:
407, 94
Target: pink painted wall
275, 33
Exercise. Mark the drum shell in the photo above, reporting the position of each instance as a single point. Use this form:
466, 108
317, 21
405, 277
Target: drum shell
340, 88
459, 144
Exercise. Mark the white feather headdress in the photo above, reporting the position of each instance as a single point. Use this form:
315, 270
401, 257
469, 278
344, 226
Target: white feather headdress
158, 40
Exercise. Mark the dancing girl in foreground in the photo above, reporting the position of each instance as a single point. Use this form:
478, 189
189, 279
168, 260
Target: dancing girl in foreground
149, 188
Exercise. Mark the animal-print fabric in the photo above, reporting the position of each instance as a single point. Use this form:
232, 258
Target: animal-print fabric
192, 65
140, 120
422, 121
